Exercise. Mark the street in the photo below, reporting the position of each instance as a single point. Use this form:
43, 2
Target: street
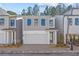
39, 50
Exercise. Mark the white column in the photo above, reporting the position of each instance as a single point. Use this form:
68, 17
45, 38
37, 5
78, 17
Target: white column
15, 36
11, 37
55, 37
7, 38
48, 37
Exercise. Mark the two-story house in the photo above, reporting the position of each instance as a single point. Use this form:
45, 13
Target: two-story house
4, 19
68, 25
27, 29
39, 30
71, 25
10, 30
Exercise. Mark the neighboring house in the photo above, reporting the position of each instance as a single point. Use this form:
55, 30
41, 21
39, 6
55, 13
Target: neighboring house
71, 25
10, 30
68, 24
4, 19
39, 30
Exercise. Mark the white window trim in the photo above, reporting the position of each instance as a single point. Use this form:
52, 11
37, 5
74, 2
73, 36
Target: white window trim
53, 23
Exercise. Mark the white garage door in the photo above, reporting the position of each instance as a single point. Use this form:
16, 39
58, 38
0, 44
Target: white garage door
35, 37
2, 37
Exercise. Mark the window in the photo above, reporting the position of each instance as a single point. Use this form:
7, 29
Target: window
70, 21
28, 22
42, 22
76, 21
1, 21
35, 21
12, 22
50, 22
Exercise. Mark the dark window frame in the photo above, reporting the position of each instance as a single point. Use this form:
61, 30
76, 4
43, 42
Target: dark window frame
2, 20
43, 22
70, 22
76, 21
12, 22
29, 22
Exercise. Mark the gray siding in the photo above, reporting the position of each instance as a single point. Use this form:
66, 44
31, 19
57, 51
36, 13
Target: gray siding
39, 27
19, 34
60, 23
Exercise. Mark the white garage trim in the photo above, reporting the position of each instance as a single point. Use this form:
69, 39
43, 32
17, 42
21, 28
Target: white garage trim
35, 37
32, 32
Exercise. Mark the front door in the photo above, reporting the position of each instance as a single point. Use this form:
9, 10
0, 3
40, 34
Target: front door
51, 37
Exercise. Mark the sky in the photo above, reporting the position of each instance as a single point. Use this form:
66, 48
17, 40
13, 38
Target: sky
17, 7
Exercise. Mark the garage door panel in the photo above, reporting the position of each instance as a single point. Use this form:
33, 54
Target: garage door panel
35, 38
2, 37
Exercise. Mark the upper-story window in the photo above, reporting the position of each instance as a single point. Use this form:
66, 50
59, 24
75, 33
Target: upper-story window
76, 21
42, 22
35, 21
70, 21
51, 23
12, 22
29, 21
1, 21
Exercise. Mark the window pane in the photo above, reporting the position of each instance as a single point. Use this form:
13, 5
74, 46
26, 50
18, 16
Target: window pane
29, 22
12, 22
76, 21
70, 21
35, 21
43, 22
1, 21
50, 22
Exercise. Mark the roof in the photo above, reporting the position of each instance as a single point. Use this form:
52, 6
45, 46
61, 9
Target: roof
51, 29
3, 12
13, 29
73, 11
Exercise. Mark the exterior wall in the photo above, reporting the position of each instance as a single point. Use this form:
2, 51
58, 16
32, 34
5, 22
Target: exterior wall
4, 35
6, 22
19, 33
60, 23
39, 27
73, 29
74, 11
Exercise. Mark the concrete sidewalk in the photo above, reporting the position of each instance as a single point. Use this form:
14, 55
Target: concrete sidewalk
37, 49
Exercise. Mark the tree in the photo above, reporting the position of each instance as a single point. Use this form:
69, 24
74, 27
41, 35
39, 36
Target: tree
36, 10
11, 13
69, 7
23, 12
60, 8
46, 11
29, 12
52, 11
